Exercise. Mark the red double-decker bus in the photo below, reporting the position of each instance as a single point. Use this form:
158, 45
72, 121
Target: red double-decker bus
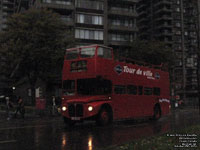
98, 87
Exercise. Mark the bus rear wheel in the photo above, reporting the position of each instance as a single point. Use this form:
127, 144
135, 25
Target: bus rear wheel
157, 113
104, 117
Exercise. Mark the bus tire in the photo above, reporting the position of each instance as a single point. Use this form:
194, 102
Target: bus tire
104, 117
157, 112
68, 122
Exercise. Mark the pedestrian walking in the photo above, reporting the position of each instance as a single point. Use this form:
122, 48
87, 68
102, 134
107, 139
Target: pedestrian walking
9, 105
20, 107
54, 107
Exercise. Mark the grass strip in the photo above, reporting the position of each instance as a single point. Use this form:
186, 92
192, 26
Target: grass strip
184, 139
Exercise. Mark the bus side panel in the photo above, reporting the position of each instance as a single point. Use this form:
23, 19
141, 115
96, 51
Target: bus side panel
126, 106
148, 103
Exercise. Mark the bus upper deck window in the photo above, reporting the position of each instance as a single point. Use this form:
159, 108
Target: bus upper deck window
104, 52
87, 52
73, 54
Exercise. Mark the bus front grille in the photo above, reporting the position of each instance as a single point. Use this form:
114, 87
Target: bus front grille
75, 110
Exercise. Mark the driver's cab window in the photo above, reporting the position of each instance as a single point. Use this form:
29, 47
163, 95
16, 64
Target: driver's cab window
104, 52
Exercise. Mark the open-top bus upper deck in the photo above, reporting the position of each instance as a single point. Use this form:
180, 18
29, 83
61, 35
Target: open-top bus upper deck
97, 62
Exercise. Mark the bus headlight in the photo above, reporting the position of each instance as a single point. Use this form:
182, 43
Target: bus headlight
90, 108
64, 108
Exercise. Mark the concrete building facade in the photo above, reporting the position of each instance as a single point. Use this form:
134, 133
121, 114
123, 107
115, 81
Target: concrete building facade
112, 23
175, 22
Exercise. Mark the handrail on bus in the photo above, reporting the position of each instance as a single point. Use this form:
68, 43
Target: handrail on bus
163, 67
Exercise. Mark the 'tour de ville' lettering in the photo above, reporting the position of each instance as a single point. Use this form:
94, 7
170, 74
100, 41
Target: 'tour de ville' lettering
147, 73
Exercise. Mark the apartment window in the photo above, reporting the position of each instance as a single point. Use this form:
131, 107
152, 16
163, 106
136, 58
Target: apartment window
121, 37
178, 24
178, 32
124, 8
89, 19
89, 34
62, 2
178, 9
122, 22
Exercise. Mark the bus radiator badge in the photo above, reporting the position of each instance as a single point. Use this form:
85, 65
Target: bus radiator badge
118, 69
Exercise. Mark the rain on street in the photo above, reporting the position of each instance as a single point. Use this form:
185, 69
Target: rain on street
50, 133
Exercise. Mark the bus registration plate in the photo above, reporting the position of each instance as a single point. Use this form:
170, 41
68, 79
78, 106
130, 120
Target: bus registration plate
75, 118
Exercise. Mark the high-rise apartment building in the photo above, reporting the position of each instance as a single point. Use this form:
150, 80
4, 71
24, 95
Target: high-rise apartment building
111, 23
9, 7
155, 20
175, 22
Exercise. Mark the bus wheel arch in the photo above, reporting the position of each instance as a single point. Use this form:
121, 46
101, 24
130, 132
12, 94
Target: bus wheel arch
105, 115
157, 112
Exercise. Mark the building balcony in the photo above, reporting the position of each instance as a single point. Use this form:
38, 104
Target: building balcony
8, 2
143, 21
162, 18
118, 43
7, 8
124, 1
162, 2
122, 13
143, 27
122, 28
133, 1
165, 25
162, 34
58, 5
163, 9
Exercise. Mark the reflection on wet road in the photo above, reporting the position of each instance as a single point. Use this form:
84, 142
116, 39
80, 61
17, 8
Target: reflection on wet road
51, 133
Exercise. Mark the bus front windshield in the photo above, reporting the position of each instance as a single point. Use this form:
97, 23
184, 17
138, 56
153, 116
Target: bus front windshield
90, 86
94, 86
69, 87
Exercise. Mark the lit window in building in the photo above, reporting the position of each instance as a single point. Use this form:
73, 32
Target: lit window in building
62, 2
89, 34
89, 19
121, 37
122, 22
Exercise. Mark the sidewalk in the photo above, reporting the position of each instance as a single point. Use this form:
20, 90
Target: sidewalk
30, 112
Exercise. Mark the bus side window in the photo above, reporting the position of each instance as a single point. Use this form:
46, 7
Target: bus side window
148, 91
104, 52
156, 91
132, 89
119, 89
140, 90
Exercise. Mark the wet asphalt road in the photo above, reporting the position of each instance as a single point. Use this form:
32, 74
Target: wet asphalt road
50, 133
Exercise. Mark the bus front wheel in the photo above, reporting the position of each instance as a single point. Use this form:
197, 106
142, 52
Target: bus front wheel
157, 113
104, 117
